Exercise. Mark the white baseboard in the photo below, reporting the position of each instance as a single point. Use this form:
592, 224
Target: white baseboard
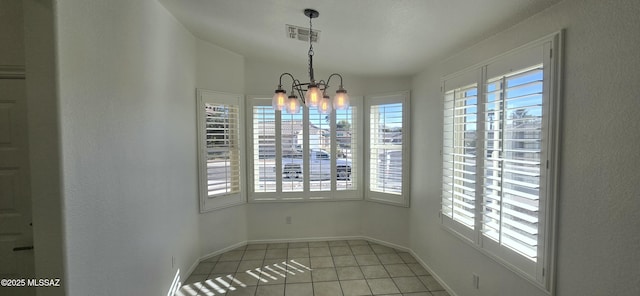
304, 240
333, 238
435, 275
221, 251
387, 244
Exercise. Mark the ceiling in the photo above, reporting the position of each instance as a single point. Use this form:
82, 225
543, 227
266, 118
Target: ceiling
361, 37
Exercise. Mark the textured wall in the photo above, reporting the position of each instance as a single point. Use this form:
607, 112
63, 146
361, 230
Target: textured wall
220, 70
308, 220
127, 77
599, 198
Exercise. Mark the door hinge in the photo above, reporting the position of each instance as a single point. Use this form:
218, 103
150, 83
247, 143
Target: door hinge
547, 164
550, 53
543, 272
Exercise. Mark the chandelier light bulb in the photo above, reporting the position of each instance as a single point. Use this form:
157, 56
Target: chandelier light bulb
324, 107
313, 95
279, 99
293, 105
341, 100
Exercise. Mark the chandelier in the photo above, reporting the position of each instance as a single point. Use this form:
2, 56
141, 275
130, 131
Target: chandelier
312, 93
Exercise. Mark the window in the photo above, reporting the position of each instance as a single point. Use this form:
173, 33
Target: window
459, 156
498, 158
305, 156
388, 148
220, 150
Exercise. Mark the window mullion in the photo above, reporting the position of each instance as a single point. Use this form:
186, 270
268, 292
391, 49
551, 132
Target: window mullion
333, 152
480, 154
278, 143
306, 154
503, 123
453, 158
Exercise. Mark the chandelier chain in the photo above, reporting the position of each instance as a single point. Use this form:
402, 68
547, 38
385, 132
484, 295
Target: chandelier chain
310, 36
311, 76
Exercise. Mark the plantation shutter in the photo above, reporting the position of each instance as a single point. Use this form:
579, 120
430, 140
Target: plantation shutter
303, 156
513, 147
388, 148
220, 149
499, 157
264, 149
459, 155
223, 151
347, 148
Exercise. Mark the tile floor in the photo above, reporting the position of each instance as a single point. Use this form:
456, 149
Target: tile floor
326, 268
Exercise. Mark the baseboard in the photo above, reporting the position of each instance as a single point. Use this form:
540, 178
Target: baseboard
221, 251
332, 238
387, 244
191, 269
304, 240
435, 275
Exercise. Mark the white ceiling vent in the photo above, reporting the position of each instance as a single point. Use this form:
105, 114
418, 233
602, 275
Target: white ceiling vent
302, 34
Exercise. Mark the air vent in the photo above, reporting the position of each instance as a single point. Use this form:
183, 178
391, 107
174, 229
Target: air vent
302, 34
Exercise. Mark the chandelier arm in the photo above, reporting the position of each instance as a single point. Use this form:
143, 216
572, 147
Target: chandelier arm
297, 86
335, 74
287, 74
322, 85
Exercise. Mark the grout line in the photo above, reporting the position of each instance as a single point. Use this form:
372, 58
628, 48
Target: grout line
385, 268
288, 267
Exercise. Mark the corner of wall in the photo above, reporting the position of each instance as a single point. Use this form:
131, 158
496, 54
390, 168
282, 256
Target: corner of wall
44, 147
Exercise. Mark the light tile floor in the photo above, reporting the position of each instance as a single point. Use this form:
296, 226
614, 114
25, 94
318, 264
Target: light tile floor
325, 268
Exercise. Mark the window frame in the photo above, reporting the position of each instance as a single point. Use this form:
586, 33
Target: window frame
403, 97
306, 194
543, 276
207, 203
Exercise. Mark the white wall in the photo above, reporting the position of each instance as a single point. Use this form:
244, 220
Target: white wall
220, 70
309, 220
127, 78
599, 199
385, 222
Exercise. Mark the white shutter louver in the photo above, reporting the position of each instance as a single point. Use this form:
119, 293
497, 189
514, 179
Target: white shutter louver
513, 115
385, 153
320, 147
264, 149
222, 149
292, 149
347, 148
459, 155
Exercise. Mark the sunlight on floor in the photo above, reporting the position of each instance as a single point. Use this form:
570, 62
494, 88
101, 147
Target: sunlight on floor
231, 283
